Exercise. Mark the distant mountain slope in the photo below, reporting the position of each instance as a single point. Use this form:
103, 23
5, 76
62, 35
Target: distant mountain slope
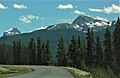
54, 32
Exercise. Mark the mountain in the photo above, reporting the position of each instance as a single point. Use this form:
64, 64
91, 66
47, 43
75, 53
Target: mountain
85, 22
53, 32
63, 26
82, 23
11, 31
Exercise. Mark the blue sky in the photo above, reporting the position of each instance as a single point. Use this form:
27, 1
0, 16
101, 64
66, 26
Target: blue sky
28, 15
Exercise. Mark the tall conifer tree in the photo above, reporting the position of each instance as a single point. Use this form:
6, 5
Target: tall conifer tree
108, 57
47, 56
90, 61
32, 51
99, 53
72, 52
116, 44
43, 53
16, 52
61, 53
39, 51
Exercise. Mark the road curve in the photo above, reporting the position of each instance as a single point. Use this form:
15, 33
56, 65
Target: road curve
45, 72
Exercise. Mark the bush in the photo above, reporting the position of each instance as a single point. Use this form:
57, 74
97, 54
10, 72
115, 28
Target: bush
102, 73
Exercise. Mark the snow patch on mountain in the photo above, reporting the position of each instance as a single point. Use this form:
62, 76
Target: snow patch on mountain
11, 31
99, 24
41, 28
76, 26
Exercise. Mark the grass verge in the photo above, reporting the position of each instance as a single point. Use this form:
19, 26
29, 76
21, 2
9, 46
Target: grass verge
8, 71
78, 73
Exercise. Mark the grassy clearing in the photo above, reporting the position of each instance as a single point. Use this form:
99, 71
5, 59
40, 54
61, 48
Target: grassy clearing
7, 71
78, 73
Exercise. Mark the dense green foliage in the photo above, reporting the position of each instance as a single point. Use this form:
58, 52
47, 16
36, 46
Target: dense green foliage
102, 73
99, 53
32, 52
61, 53
109, 56
19, 53
90, 49
39, 51
116, 45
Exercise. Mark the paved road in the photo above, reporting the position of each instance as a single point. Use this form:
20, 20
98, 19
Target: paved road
45, 72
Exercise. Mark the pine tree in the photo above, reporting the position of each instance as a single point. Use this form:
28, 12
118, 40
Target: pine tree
3, 54
61, 53
109, 57
19, 51
16, 49
99, 53
14, 52
84, 50
27, 53
79, 41
72, 53
24, 55
79, 57
83, 56
116, 44
8, 54
32, 51
90, 60
48, 57
43, 53
39, 51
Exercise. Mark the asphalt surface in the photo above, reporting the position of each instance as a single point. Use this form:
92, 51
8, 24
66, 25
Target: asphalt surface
46, 72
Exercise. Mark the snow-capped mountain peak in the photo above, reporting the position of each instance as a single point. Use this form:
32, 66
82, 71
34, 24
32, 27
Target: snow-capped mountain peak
82, 23
86, 22
11, 31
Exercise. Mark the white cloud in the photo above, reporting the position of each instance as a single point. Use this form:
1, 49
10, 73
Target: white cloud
3, 6
101, 18
18, 6
41, 28
108, 10
113, 9
96, 10
28, 18
78, 12
68, 6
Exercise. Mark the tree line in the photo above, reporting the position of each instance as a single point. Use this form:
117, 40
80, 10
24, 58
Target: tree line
81, 54
30, 54
93, 52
